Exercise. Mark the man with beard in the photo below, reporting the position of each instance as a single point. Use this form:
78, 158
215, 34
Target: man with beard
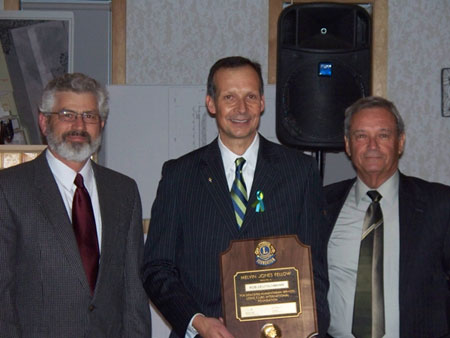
71, 238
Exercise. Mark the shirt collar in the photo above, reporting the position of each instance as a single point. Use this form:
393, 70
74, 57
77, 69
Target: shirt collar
66, 175
389, 189
250, 155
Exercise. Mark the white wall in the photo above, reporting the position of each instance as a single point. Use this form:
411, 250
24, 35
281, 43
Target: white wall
419, 47
176, 41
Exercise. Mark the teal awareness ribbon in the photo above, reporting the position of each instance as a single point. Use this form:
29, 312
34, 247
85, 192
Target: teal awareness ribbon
260, 203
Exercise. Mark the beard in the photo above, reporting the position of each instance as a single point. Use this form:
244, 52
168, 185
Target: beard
73, 151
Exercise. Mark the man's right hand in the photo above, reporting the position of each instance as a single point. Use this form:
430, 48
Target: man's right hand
209, 327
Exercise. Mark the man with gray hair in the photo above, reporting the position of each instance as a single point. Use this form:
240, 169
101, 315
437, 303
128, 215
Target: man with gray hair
71, 239
389, 248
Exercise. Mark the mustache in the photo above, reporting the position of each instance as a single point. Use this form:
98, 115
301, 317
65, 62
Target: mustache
81, 133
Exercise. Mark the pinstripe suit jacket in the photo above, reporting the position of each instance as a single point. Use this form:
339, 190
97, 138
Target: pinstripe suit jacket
424, 210
43, 288
192, 222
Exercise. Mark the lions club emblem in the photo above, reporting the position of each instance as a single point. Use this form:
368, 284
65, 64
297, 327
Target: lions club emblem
265, 254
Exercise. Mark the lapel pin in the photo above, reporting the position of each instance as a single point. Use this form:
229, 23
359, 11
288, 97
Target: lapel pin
259, 203
209, 179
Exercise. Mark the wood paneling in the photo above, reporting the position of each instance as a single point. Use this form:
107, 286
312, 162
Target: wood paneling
11, 5
119, 43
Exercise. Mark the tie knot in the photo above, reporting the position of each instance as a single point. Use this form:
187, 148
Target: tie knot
239, 162
374, 195
79, 181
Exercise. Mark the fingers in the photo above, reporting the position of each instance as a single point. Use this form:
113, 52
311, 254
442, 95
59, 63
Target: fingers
209, 327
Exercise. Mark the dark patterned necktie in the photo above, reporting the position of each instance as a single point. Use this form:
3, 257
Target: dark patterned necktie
368, 312
239, 192
85, 231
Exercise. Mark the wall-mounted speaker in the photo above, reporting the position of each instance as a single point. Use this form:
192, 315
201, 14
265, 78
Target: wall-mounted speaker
323, 66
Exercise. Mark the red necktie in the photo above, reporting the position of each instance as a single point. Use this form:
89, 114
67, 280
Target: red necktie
85, 231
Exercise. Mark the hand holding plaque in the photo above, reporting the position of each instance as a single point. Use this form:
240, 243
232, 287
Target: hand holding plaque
268, 289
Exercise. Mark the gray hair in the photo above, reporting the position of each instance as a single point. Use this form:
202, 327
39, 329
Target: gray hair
372, 102
77, 83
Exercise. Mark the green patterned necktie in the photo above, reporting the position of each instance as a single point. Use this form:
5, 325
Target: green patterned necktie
239, 192
368, 313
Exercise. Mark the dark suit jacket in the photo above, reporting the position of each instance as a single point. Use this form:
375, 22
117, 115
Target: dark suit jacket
43, 288
193, 221
424, 210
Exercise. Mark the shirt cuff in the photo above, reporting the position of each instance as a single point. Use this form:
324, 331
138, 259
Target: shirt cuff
191, 332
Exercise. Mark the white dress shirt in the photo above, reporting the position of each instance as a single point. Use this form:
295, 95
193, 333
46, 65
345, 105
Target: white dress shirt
343, 255
248, 171
65, 178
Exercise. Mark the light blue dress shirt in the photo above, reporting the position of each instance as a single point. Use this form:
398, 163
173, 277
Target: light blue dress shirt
343, 255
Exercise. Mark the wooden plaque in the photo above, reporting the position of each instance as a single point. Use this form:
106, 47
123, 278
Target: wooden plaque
268, 288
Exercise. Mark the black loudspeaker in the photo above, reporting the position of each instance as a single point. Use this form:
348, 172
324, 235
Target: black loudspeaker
323, 66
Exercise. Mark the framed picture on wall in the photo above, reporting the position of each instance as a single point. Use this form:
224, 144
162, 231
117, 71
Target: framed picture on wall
36, 46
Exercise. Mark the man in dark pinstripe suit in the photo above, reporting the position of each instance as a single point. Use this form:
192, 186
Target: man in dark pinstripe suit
193, 219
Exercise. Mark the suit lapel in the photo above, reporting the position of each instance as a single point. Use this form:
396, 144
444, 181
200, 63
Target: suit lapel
265, 178
50, 200
111, 217
213, 178
335, 198
411, 213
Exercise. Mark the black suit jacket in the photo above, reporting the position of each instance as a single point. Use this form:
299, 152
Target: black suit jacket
424, 211
193, 221
43, 287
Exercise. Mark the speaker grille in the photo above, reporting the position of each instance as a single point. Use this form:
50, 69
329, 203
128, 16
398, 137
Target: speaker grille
324, 27
323, 98
311, 104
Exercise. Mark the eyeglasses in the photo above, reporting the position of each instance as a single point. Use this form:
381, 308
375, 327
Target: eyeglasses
71, 116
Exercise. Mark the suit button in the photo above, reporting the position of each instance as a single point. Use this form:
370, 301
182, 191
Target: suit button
91, 308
